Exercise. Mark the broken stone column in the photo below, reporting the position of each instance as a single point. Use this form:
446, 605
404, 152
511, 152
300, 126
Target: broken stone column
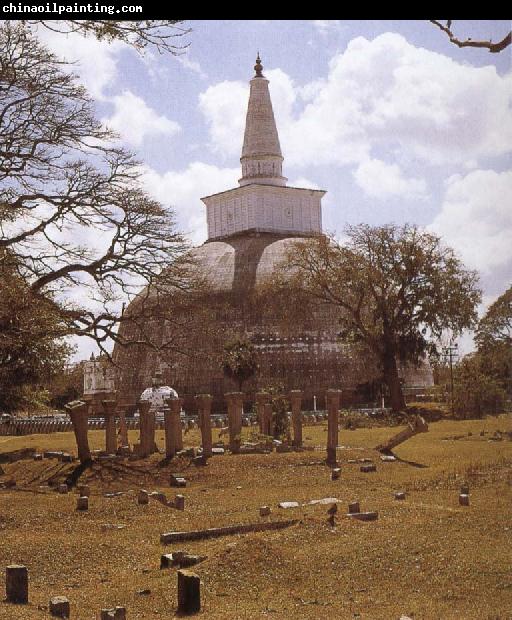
296, 401
59, 607
78, 412
204, 404
189, 592
174, 430
261, 399
16, 584
169, 441
123, 428
353, 508
143, 497
179, 502
464, 499
82, 503
147, 429
332, 401
117, 613
235, 405
415, 426
267, 419
109, 411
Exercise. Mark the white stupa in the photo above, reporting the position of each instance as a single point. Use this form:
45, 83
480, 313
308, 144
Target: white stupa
157, 394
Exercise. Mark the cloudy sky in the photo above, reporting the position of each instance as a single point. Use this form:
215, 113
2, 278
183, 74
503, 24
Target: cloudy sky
396, 123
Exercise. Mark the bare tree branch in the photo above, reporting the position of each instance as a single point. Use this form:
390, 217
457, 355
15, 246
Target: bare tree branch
494, 48
162, 35
74, 219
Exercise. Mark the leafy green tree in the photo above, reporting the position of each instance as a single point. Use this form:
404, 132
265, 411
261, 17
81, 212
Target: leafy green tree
394, 289
476, 393
66, 386
32, 349
494, 341
239, 361
495, 327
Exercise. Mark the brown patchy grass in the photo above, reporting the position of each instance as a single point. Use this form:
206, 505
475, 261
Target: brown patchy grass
425, 557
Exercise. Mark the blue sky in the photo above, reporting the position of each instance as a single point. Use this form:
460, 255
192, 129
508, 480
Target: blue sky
395, 122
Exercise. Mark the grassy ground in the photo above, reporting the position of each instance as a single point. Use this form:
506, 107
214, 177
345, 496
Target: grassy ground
425, 557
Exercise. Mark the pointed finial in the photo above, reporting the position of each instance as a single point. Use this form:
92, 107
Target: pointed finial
258, 67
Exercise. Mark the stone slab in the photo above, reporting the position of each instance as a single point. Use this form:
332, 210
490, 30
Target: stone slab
171, 537
364, 516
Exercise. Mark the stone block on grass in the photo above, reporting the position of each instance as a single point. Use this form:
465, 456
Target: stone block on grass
59, 607
16, 584
189, 592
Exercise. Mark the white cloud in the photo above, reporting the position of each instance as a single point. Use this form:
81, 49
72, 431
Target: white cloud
134, 120
182, 190
303, 182
224, 106
96, 61
96, 66
192, 65
381, 180
420, 104
476, 219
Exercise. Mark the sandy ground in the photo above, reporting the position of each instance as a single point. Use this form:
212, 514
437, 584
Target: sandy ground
425, 557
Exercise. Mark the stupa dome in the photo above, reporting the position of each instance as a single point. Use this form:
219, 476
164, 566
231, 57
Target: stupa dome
250, 229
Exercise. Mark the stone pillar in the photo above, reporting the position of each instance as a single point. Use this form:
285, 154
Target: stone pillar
169, 441
235, 402
82, 503
261, 399
147, 430
204, 404
123, 428
109, 411
416, 425
296, 401
78, 412
16, 583
175, 430
332, 401
189, 592
59, 607
267, 419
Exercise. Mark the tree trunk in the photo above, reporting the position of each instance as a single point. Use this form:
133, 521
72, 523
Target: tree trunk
392, 379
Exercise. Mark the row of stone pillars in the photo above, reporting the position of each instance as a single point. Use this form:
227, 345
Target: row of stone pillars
172, 423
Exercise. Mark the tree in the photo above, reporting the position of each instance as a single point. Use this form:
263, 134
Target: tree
66, 386
494, 48
160, 34
495, 327
73, 215
394, 289
476, 392
239, 361
494, 341
32, 350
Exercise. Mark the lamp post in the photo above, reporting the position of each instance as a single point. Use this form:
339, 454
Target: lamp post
450, 353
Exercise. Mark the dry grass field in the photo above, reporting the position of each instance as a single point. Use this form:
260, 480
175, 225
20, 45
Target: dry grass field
425, 557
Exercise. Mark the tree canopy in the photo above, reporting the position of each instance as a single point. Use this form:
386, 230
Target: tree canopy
495, 327
394, 288
32, 349
73, 215
239, 361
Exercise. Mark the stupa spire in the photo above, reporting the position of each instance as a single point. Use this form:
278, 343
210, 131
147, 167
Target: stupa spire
262, 160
